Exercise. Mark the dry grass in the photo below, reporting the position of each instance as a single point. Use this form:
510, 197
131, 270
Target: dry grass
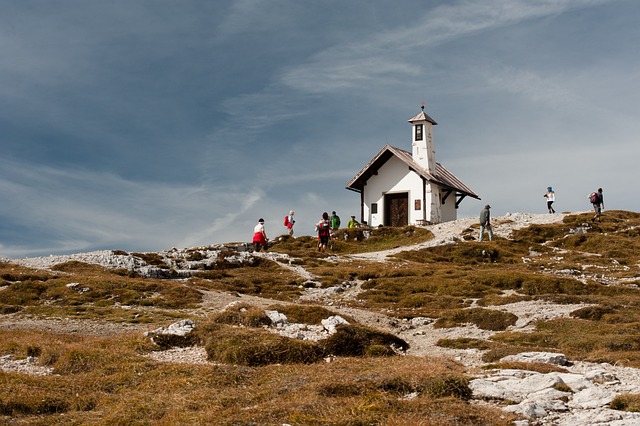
84, 284
626, 402
109, 381
349, 241
485, 319
236, 336
464, 343
594, 341
264, 278
307, 314
263, 378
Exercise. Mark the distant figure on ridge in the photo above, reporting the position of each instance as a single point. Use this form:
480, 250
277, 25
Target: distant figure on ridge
353, 223
289, 221
323, 227
597, 200
485, 223
259, 236
551, 197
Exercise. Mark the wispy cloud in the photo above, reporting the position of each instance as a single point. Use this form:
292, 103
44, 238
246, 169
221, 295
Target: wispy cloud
532, 86
361, 63
82, 209
225, 221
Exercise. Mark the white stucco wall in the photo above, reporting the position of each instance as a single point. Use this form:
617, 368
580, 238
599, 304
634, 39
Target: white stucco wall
448, 210
393, 177
396, 177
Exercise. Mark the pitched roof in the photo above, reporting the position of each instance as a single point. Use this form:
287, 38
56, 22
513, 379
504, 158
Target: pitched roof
442, 176
422, 116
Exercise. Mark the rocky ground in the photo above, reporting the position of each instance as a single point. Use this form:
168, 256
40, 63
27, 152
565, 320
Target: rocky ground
532, 394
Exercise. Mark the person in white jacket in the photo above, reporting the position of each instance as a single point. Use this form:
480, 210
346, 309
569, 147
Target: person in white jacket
551, 197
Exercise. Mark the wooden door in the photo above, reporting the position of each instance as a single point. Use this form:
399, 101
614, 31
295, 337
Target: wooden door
396, 209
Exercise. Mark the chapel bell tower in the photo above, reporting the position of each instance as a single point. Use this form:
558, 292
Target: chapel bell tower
423, 151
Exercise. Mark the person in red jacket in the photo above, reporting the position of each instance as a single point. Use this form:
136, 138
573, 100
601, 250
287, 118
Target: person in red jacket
259, 236
289, 221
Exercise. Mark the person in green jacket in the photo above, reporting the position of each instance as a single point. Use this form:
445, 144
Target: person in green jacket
485, 223
335, 221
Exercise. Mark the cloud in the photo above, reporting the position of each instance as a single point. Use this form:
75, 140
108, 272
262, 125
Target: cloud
248, 202
392, 52
82, 209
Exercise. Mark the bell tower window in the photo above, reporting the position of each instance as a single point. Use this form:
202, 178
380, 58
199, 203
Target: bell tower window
419, 130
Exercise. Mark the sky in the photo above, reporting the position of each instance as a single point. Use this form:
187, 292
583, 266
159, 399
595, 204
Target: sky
150, 124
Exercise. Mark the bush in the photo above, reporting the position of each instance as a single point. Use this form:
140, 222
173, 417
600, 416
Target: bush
486, 319
463, 343
626, 402
353, 340
257, 348
242, 314
452, 385
593, 313
306, 314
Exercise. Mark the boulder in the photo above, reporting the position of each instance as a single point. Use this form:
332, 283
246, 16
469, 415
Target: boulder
277, 319
332, 322
178, 334
541, 357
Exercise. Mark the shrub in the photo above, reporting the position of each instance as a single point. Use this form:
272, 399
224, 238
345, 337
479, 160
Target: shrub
258, 347
594, 313
463, 343
242, 314
486, 319
78, 360
306, 314
353, 340
626, 402
452, 385
32, 405
166, 341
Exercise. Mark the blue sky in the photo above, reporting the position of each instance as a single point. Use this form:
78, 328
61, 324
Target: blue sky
149, 124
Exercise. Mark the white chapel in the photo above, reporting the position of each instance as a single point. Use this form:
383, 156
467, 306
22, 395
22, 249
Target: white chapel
399, 188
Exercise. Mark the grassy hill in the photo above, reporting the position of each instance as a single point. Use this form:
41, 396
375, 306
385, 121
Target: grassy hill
85, 322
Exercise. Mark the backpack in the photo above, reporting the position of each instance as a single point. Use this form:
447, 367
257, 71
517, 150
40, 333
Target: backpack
286, 220
594, 198
323, 227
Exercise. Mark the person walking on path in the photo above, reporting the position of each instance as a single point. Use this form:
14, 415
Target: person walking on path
551, 197
597, 200
353, 223
485, 223
335, 221
259, 236
323, 227
289, 221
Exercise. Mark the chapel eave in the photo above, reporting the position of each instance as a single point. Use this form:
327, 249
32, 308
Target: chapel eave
442, 176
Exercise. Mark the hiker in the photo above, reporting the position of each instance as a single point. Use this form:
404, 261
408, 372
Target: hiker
353, 223
551, 197
259, 236
335, 221
485, 223
323, 227
597, 199
289, 221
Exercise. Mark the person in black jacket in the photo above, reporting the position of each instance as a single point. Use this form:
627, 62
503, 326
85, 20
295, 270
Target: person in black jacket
485, 223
